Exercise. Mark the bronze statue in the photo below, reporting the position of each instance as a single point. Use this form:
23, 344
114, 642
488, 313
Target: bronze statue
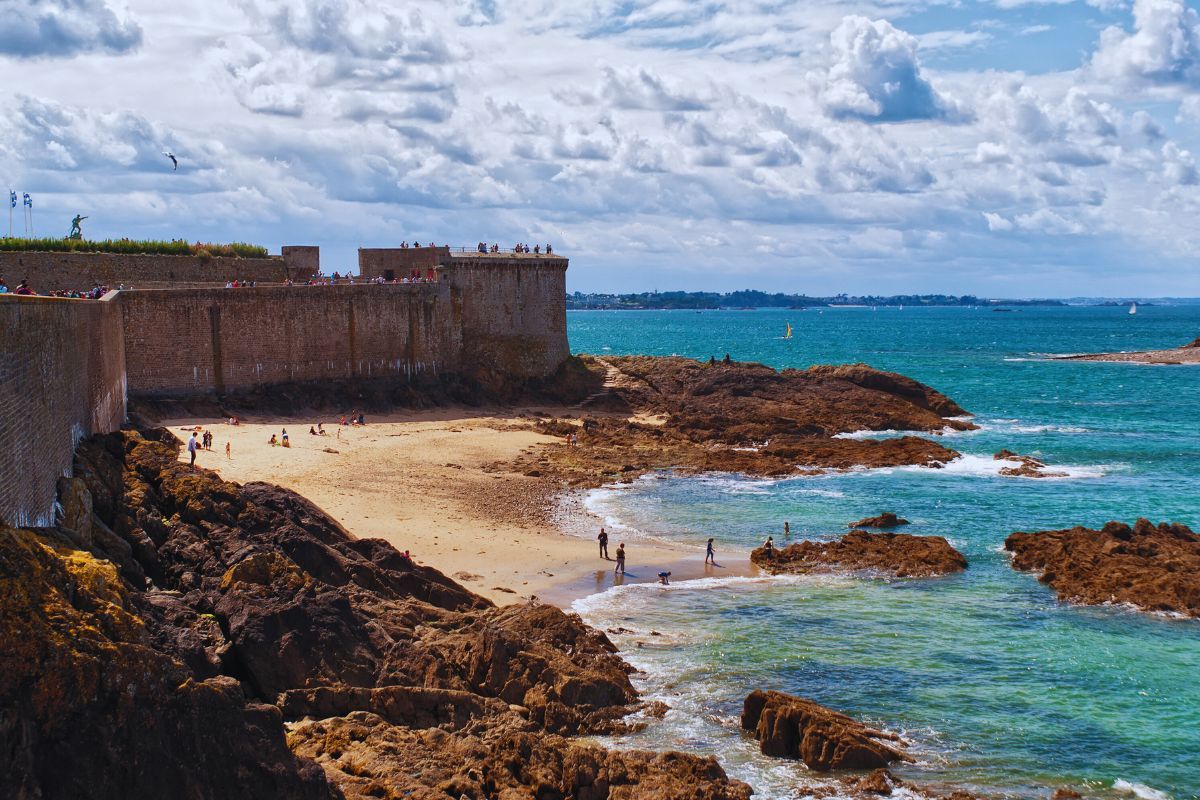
76, 230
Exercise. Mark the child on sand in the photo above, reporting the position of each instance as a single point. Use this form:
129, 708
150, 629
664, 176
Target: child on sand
272, 441
620, 559
709, 554
664, 578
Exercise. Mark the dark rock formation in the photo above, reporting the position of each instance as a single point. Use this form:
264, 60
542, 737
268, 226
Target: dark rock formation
885, 520
262, 609
747, 418
90, 706
792, 727
900, 555
1156, 568
1027, 466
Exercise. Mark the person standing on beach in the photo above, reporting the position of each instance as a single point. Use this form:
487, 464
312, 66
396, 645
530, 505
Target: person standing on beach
227, 449
603, 539
620, 559
192, 445
710, 554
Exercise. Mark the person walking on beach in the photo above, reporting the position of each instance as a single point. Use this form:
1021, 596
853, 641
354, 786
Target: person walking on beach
192, 445
710, 554
620, 559
227, 449
603, 539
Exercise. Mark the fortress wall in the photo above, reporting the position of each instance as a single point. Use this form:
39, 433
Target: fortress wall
62, 378
203, 341
53, 271
513, 312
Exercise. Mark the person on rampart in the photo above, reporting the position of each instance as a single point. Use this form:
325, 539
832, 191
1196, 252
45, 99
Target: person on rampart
3, 286
23, 288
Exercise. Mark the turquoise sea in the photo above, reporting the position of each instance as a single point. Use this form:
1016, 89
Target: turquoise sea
996, 685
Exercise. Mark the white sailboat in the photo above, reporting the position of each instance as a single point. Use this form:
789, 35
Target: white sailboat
1133, 308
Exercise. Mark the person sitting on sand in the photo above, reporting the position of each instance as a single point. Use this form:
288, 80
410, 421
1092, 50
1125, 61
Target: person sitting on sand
272, 441
312, 431
620, 559
343, 422
285, 436
320, 429
362, 420
709, 553
664, 578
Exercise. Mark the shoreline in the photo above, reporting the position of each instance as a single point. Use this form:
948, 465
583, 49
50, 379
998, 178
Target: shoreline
442, 484
1188, 354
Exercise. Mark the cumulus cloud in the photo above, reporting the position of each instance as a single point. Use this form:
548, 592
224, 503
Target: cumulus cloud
64, 28
1164, 47
352, 55
875, 75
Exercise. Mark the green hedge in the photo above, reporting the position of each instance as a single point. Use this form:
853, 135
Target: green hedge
175, 247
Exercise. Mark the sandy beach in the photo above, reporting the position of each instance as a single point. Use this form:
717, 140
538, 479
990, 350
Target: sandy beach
437, 483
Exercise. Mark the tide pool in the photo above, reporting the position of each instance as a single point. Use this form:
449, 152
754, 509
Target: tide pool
996, 684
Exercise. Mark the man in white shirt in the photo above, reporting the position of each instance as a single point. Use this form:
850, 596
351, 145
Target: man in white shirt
192, 446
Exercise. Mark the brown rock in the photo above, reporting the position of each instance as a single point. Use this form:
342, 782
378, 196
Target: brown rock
792, 727
879, 782
1064, 793
1027, 466
498, 758
900, 555
1156, 568
91, 708
885, 520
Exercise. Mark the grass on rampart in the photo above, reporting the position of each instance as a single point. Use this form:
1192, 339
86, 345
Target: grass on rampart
175, 247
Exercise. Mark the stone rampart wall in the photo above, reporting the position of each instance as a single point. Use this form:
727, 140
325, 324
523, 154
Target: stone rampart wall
513, 312
53, 271
205, 341
62, 378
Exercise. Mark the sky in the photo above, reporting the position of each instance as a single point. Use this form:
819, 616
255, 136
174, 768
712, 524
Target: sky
1009, 148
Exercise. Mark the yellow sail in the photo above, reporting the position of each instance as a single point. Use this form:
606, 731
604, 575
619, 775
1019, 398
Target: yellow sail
788, 335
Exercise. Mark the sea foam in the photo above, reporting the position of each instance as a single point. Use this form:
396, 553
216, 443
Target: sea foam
1140, 790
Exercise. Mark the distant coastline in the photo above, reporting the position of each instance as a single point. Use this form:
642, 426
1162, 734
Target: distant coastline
750, 299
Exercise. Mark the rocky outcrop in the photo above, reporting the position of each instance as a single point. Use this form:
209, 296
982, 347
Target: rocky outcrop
1153, 567
498, 756
681, 414
885, 520
160, 654
90, 706
899, 555
1186, 354
792, 727
1024, 466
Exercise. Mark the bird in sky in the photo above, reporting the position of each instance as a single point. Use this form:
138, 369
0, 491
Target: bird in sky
174, 161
